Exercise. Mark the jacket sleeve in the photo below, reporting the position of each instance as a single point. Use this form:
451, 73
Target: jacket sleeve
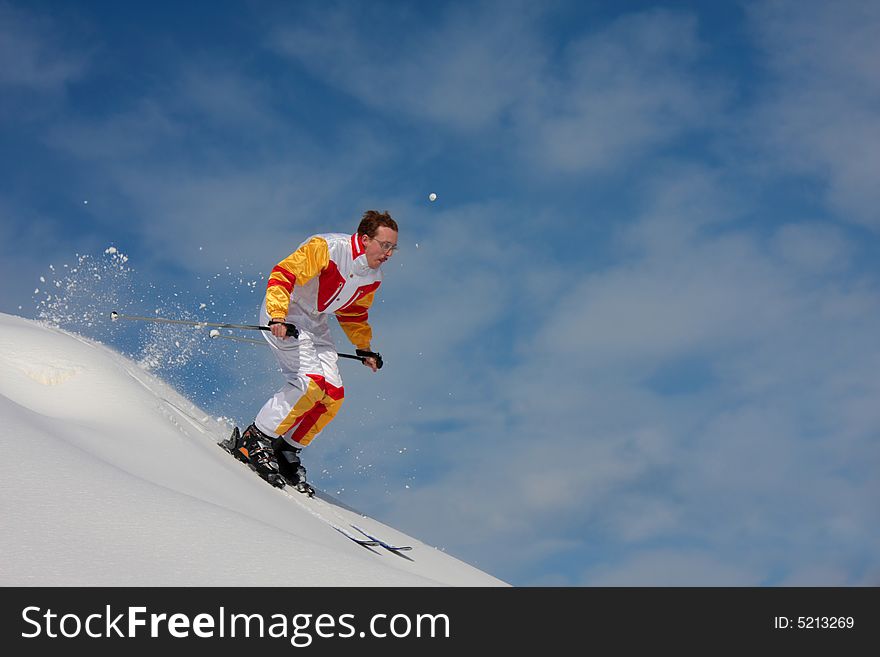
353, 318
298, 268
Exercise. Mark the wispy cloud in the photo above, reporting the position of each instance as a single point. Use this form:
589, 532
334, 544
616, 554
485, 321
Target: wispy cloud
820, 114
620, 92
464, 67
672, 568
602, 440
32, 56
204, 155
615, 348
602, 99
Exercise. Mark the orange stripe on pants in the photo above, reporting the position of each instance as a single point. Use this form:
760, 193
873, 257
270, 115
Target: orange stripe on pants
313, 411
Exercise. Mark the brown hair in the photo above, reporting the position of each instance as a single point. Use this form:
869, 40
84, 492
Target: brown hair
372, 220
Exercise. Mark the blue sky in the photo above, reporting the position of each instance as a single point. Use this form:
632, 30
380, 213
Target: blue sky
633, 342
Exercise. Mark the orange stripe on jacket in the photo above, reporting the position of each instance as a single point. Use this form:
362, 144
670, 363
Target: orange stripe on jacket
353, 317
280, 276
298, 268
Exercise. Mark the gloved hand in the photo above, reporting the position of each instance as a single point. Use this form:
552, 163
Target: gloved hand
282, 329
376, 358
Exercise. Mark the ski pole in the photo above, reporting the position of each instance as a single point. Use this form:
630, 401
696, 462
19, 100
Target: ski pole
363, 354
353, 357
216, 334
291, 329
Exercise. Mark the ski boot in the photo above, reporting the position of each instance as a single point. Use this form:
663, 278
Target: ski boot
255, 448
290, 467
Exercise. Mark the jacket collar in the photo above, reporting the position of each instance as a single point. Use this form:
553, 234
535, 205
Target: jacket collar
357, 247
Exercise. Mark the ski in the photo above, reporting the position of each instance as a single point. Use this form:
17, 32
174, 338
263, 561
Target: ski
387, 546
305, 488
363, 542
368, 541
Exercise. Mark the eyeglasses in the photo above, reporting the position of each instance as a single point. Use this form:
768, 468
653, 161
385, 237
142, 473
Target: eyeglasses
387, 246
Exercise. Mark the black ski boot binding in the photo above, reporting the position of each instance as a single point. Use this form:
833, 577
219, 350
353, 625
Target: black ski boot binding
290, 467
255, 448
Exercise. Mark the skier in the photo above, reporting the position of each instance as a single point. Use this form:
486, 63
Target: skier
332, 273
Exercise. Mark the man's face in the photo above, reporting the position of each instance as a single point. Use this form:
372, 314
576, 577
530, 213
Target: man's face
380, 247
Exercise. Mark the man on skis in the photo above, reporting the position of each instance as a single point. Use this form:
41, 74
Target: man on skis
332, 273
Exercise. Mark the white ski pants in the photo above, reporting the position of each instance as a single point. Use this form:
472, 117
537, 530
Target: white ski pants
313, 392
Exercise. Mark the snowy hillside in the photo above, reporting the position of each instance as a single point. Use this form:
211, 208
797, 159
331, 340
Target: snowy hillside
109, 477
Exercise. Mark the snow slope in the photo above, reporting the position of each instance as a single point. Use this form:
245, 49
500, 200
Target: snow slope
109, 477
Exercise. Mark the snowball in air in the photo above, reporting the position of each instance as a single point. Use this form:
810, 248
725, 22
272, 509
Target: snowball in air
214, 333
432, 197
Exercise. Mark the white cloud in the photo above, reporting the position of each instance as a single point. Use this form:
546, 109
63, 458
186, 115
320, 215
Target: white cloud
620, 92
814, 247
819, 114
31, 56
29, 244
220, 91
672, 568
465, 68
607, 97
119, 138
767, 452
166, 162
718, 356
266, 208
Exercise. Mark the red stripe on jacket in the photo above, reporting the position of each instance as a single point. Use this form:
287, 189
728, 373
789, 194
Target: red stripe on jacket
357, 248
